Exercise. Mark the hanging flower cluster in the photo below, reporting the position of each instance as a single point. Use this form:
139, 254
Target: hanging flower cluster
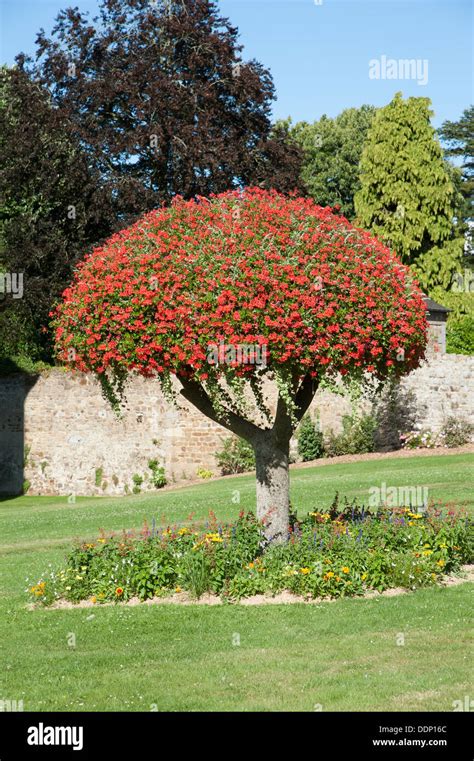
243, 268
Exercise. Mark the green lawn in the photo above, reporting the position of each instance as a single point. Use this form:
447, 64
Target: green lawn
342, 655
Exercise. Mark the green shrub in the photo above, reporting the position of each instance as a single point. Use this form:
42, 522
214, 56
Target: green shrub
158, 478
99, 472
460, 335
236, 456
456, 432
424, 439
345, 550
204, 474
357, 436
310, 440
138, 481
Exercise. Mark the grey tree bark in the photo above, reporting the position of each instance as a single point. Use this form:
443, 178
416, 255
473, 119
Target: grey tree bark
273, 485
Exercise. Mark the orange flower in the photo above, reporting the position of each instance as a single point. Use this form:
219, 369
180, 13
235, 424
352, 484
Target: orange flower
119, 591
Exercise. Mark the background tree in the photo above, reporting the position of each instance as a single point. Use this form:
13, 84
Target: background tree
407, 195
458, 139
161, 100
52, 211
332, 151
309, 295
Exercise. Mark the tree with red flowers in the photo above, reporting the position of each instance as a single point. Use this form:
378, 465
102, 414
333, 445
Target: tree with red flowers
218, 296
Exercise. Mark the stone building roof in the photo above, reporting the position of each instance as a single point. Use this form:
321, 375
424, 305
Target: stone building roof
435, 311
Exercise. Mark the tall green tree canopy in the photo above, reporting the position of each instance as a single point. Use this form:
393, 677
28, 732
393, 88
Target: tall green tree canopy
407, 195
458, 139
332, 151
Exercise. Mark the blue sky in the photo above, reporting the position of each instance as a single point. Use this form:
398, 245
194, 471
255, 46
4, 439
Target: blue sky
319, 54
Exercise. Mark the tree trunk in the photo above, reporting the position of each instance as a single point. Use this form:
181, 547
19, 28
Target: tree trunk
273, 485
271, 447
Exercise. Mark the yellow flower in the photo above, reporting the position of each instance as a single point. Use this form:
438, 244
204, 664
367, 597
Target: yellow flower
304, 570
338, 578
411, 523
101, 596
441, 563
38, 589
427, 552
345, 569
102, 541
178, 590
251, 565
322, 516
93, 600
183, 531
364, 576
328, 575
214, 537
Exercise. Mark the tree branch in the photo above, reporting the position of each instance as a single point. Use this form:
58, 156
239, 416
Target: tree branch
196, 395
283, 426
305, 395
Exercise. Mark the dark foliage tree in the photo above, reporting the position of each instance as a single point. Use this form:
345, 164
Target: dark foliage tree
52, 211
162, 102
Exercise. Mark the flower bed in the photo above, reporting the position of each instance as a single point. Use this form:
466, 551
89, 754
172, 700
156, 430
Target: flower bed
344, 551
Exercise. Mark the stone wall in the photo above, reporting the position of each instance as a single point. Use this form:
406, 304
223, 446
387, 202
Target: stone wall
58, 433
443, 387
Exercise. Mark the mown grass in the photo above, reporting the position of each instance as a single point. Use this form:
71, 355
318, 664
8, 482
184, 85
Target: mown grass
341, 655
